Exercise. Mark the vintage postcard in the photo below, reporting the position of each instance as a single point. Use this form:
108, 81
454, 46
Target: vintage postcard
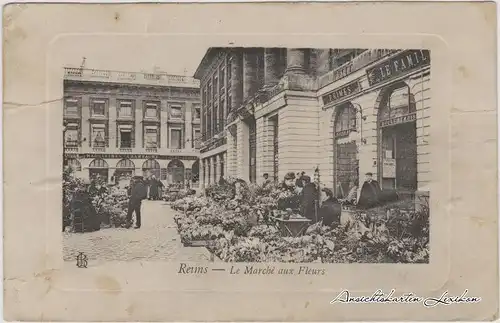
250, 162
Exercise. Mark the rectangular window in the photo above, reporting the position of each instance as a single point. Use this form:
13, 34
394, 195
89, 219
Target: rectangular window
175, 139
151, 137
98, 108
125, 133
72, 108
196, 112
222, 78
216, 123
229, 73
222, 120
71, 135
176, 112
151, 110
98, 136
125, 109
197, 138
216, 88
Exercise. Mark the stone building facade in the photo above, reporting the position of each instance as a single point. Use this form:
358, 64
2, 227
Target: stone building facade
119, 124
343, 111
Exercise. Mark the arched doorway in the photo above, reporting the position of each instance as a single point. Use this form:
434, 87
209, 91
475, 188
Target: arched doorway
151, 167
175, 172
99, 168
397, 133
346, 161
74, 165
195, 172
125, 169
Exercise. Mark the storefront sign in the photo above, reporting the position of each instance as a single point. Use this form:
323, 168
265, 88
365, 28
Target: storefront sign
135, 156
389, 168
342, 92
397, 120
398, 65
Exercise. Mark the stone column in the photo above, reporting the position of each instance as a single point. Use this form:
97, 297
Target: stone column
215, 168
85, 126
112, 131
322, 61
296, 61
271, 66
188, 130
236, 79
163, 124
250, 70
138, 145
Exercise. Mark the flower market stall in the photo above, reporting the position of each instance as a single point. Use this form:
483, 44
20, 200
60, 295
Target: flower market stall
245, 223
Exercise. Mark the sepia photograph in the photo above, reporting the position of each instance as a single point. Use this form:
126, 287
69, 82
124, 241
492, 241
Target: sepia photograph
261, 155
174, 162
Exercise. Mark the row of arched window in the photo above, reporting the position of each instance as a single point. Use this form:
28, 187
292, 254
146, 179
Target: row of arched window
99, 163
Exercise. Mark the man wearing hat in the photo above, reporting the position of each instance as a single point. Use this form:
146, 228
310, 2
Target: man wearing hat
370, 194
137, 191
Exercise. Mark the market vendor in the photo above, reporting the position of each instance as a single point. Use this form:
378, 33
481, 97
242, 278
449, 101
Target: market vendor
370, 195
288, 182
330, 210
84, 217
309, 199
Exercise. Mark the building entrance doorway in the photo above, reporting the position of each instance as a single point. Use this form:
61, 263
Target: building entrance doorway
399, 157
175, 171
397, 139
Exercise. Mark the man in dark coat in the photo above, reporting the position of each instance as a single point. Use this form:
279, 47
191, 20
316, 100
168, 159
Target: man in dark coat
330, 210
370, 194
154, 188
137, 192
84, 217
309, 199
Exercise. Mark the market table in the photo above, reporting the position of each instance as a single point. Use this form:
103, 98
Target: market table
292, 227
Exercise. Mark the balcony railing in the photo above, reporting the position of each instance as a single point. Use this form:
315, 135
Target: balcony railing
130, 77
136, 150
364, 59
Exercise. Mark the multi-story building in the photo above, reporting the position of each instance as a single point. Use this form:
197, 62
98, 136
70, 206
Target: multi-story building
344, 112
120, 124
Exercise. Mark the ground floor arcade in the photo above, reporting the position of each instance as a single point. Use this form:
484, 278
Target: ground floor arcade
121, 168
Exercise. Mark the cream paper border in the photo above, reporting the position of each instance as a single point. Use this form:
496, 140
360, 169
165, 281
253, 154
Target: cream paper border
39, 286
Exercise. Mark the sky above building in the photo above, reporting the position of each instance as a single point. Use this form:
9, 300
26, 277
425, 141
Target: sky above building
178, 55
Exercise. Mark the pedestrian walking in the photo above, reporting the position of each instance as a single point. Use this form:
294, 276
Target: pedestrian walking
137, 193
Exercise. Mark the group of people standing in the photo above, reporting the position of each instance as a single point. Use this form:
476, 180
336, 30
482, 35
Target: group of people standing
320, 204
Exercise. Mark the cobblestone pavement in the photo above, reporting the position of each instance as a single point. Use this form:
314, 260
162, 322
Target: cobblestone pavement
157, 239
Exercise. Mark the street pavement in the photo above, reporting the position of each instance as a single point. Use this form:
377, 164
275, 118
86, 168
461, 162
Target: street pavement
156, 240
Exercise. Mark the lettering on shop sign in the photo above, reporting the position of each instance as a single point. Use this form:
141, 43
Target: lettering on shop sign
135, 156
342, 92
397, 65
398, 120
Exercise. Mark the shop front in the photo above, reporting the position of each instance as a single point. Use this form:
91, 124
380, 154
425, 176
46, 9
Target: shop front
397, 133
346, 162
124, 171
99, 168
175, 172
